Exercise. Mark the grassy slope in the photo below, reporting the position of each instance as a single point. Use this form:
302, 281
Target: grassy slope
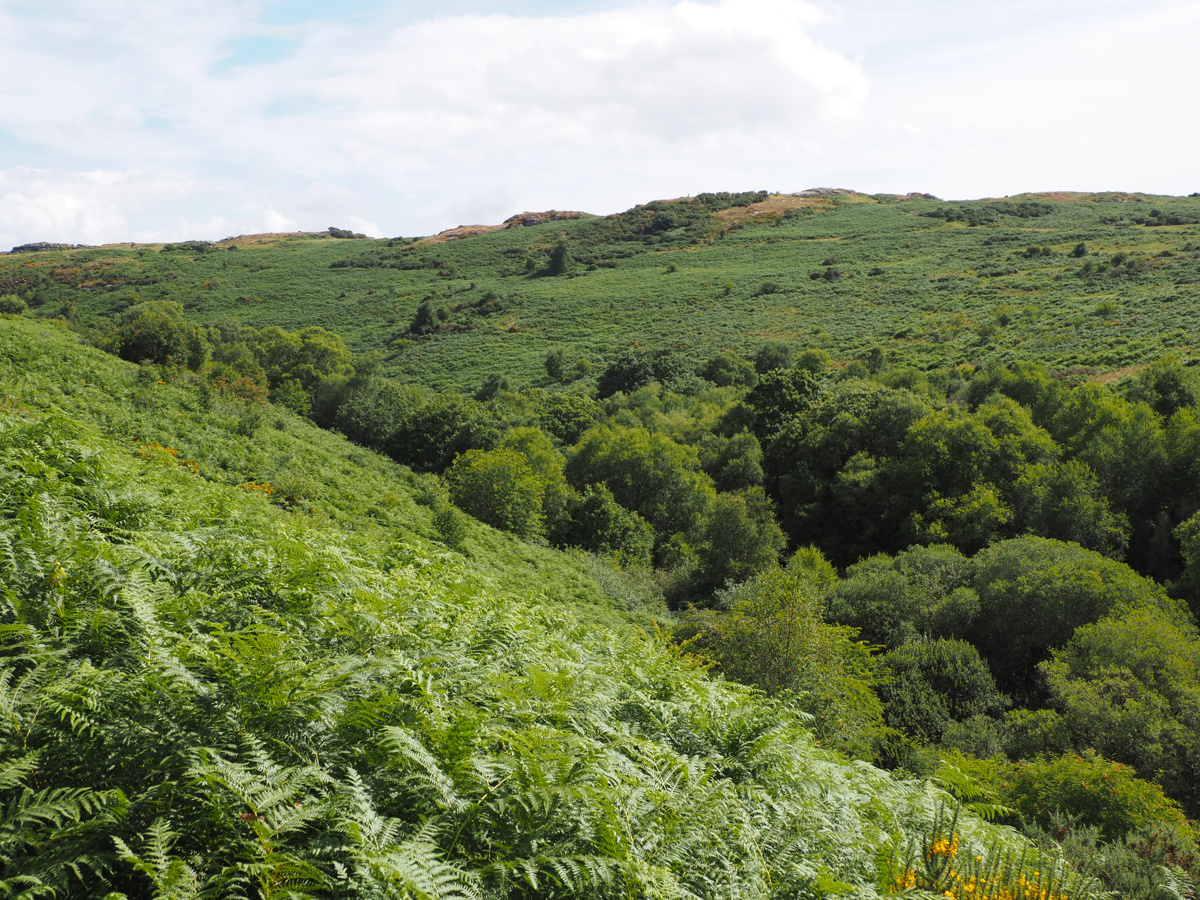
364, 495
949, 293
329, 641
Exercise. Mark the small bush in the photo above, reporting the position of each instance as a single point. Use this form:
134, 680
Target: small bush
498, 487
1093, 790
450, 528
12, 305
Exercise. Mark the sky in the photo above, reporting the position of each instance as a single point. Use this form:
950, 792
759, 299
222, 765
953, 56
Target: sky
126, 120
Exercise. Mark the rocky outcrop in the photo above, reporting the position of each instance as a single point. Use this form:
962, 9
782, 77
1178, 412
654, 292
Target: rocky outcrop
529, 219
45, 245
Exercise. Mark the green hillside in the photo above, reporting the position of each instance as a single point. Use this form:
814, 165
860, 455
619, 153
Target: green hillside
209, 690
931, 283
741, 545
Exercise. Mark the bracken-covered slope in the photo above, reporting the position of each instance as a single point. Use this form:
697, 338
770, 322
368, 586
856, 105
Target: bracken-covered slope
209, 689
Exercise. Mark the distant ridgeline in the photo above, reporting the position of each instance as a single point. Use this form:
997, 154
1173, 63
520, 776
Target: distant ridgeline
917, 472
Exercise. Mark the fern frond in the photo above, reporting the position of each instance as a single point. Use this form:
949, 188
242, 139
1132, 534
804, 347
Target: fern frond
173, 878
408, 748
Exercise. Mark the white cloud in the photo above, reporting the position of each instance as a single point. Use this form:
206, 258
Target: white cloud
488, 107
409, 128
78, 207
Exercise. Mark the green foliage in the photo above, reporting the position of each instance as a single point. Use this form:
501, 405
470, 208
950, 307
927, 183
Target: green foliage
156, 332
1034, 593
826, 468
779, 395
1129, 687
647, 473
556, 365
425, 321
633, 369
738, 463
925, 687
772, 635
1095, 791
1165, 385
739, 538
773, 355
1065, 500
922, 594
597, 523
12, 305
814, 360
726, 369
327, 703
500, 488
560, 258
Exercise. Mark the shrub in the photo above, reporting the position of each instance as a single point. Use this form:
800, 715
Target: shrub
727, 368
493, 384
774, 637
600, 525
647, 472
498, 487
450, 528
556, 364
12, 305
773, 355
1092, 790
1129, 687
156, 332
560, 258
927, 686
923, 593
814, 360
739, 538
633, 369
1035, 592
426, 319
779, 395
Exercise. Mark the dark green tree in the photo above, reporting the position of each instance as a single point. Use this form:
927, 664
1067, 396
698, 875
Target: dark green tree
556, 365
560, 258
156, 332
426, 320
646, 472
600, 525
1034, 593
773, 355
927, 686
1129, 687
727, 369
500, 488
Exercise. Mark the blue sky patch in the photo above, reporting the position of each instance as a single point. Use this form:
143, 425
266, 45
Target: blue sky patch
252, 51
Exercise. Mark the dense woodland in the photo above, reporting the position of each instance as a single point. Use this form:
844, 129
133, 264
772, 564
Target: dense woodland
715, 580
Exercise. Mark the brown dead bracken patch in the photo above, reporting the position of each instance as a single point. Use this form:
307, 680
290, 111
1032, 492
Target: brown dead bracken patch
259, 240
818, 199
1117, 374
520, 220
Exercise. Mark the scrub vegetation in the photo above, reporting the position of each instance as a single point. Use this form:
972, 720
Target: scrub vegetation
736, 546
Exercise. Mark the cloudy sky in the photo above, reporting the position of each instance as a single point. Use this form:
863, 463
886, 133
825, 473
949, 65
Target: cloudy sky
135, 120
